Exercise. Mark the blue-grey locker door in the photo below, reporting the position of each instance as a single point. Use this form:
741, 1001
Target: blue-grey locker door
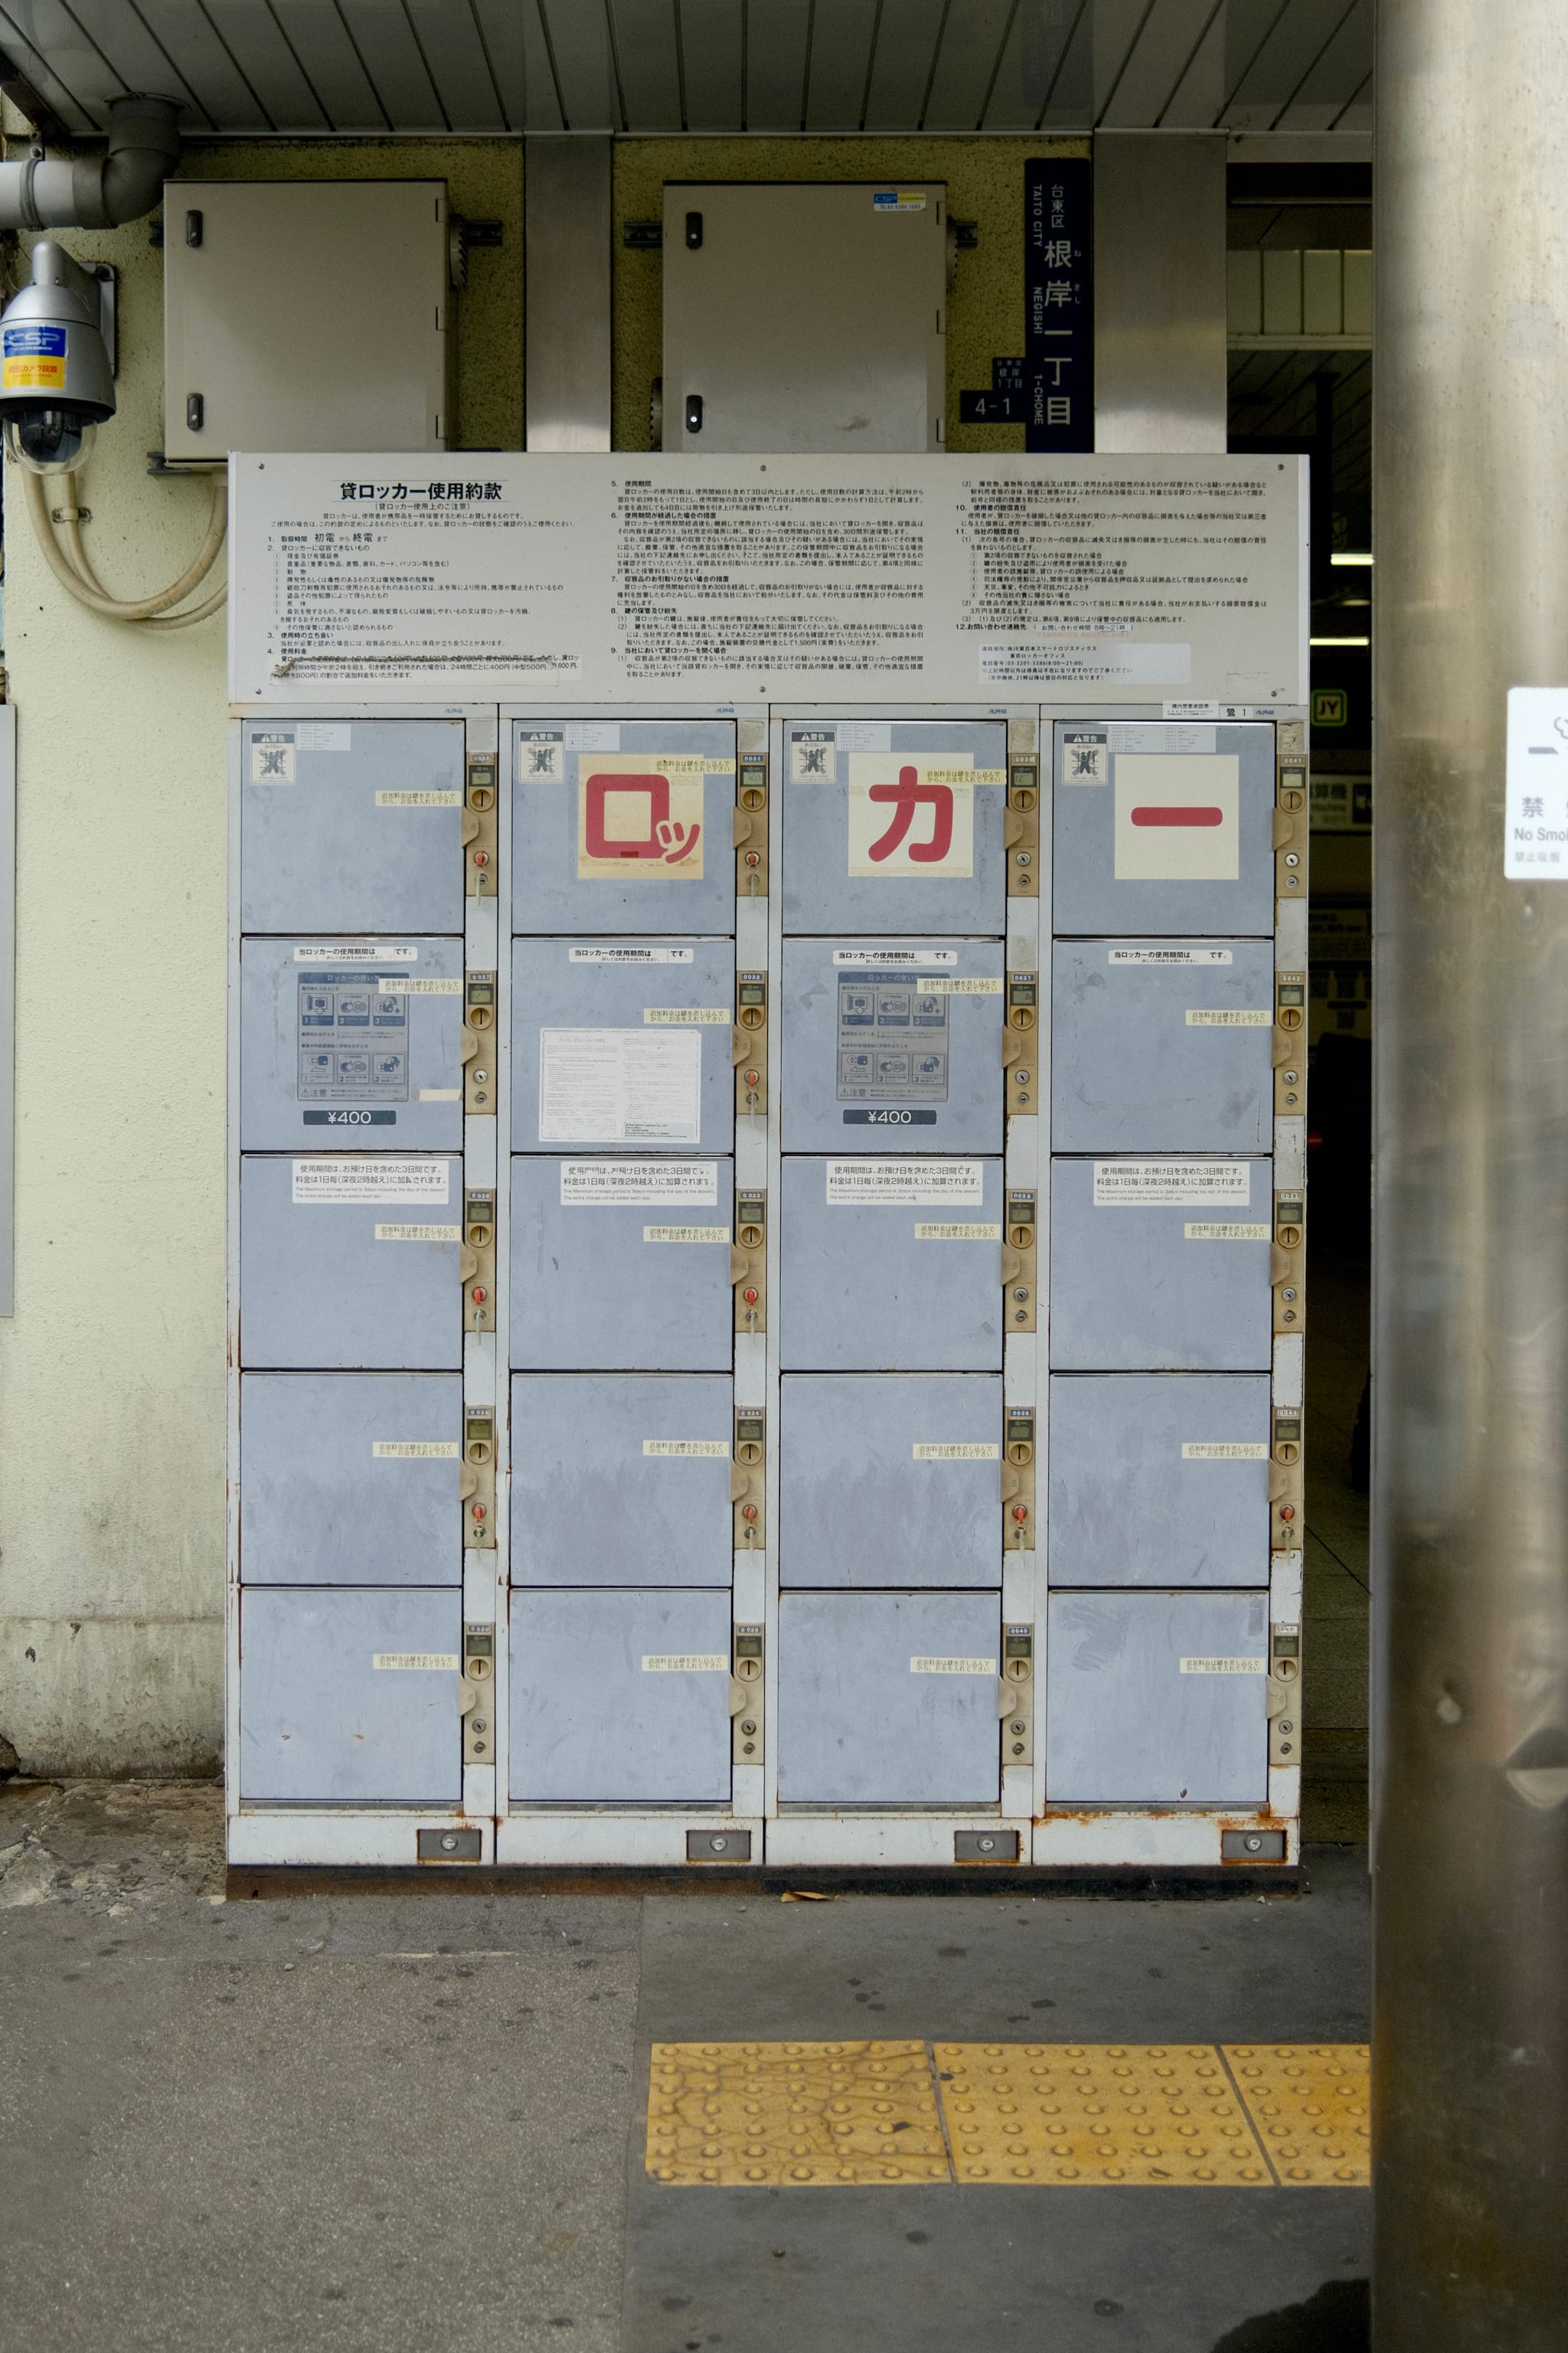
351, 825
888, 1699
621, 1265
893, 1048
620, 1698
349, 1264
890, 1479
1159, 1479
624, 826
617, 1477
350, 1698
350, 1479
906, 1278
1160, 1266
622, 1044
894, 826
339, 1042
1157, 1699
1160, 1047
1164, 827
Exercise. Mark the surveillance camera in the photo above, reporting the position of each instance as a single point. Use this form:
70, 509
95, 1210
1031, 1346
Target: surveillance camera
56, 376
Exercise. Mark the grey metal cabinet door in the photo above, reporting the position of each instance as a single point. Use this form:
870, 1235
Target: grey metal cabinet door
350, 1264
350, 1479
1157, 1699
617, 1043
620, 1697
894, 826
624, 826
351, 825
622, 1477
1159, 1479
621, 1265
1161, 1265
351, 1040
890, 1266
1162, 828
890, 1479
1162, 1049
888, 1699
892, 1047
350, 1698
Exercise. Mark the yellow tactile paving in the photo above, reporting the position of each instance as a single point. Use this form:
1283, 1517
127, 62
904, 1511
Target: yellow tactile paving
1309, 2102
794, 2115
1085, 2114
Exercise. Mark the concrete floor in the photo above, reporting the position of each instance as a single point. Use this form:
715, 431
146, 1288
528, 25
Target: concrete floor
393, 2122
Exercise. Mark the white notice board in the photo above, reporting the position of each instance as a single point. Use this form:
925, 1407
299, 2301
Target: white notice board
514, 577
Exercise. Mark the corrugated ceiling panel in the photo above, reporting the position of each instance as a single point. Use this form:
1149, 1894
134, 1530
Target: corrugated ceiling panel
455, 59
644, 35
249, 30
191, 33
1297, 40
966, 64
1117, 25
1195, 102
1336, 75
1171, 35
579, 44
710, 53
1066, 76
900, 72
319, 39
137, 59
515, 45
840, 58
74, 80
776, 65
384, 40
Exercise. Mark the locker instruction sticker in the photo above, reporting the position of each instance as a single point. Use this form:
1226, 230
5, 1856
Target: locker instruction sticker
911, 816
903, 1184
414, 1450
449, 987
686, 1233
704, 1450
953, 1666
352, 1039
630, 956
894, 959
1251, 1018
340, 1184
1177, 817
1140, 1184
418, 1233
1225, 1233
619, 1086
957, 1450
1224, 1666
685, 1662
1535, 804
418, 800
892, 1040
1223, 1449
446, 1661
600, 1183
336, 952
324, 736
958, 1233
688, 1017
1170, 955
640, 817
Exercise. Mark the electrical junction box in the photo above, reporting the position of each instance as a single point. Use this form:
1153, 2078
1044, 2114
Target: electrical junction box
306, 314
804, 318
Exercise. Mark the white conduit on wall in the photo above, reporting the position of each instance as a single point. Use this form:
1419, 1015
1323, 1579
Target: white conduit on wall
74, 572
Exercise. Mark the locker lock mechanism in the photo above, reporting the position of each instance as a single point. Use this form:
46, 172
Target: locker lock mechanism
747, 1480
751, 831
746, 1695
477, 1700
1290, 824
1020, 1044
1287, 1262
478, 1048
1285, 1695
477, 1479
479, 827
749, 1263
1290, 1045
1021, 829
1286, 1488
1019, 1481
749, 1045
1016, 1695
478, 1262
1018, 1263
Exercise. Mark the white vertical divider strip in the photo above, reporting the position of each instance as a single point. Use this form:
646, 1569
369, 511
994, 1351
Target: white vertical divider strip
1044, 869
485, 732
231, 1260
775, 1208
7, 1009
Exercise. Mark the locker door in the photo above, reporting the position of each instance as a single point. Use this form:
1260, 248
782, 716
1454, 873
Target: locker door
341, 1035
350, 1479
351, 1264
352, 826
1160, 1266
350, 1698
1163, 828
624, 826
893, 1048
890, 1480
894, 826
620, 1697
616, 1043
1159, 1479
616, 1476
1160, 1047
888, 1699
621, 1265
890, 1266
1157, 1698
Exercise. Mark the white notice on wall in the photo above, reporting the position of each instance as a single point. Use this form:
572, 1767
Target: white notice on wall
1142, 1183
1535, 819
340, 1184
619, 1086
899, 1184
602, 1184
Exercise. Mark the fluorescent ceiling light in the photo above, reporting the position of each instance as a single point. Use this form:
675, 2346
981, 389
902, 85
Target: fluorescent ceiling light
1338, 641
1361, 562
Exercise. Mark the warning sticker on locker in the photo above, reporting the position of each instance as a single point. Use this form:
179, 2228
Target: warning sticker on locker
812, 753
415, 1450
324, 736
619, 1086
945, 986
593, 735
888, 959
958, 1451
687, 1017
1176, 817
685, 1662
639, 818
630, 956
420, 800
1140, 1184
418, 1233
272, 756
447, 1660
1223, 1449
1224, 1666
953, 1666
909, 816
340, 1183
912, 1184
541, 757
1251, 1019
706, 1449
1085, 759
686, 1233
334, 952
1225, 1233
958, 1233
1170, 955
599, 1184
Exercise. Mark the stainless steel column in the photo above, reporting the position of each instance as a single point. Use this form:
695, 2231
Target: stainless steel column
1471, 2087
566, 194
1160, 375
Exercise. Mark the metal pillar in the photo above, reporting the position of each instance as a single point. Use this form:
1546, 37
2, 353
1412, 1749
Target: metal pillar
1470, 1854
567, 292
1160, 375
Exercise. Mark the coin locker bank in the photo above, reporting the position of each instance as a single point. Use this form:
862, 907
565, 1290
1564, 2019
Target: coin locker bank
767, 1162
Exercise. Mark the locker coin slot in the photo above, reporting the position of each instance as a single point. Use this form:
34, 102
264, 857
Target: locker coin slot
749, 1045
1018, 1481
1290, 1045
1022, 831
1020, 1264
1020, 1043
1285, 1695
752, 831
1290, 823
477, 1479
478, 1700
479, 827
1287, 1490
748, 1472
1016, 1695
746, 1696
479, 1046
749, 1260
1287, 1262
478, 1262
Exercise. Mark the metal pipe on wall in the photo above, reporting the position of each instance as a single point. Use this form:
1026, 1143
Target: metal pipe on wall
1470, 1824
